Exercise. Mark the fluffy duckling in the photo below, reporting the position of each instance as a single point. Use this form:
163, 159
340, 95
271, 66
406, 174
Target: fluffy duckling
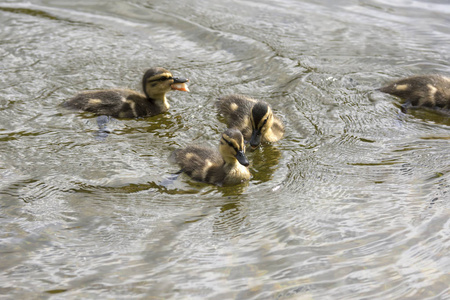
228, 166
124, 103
253, 118
431, 91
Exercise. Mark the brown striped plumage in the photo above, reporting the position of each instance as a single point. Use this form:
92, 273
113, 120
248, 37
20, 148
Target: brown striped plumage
431, 91
253, 118
228, 166
124, 103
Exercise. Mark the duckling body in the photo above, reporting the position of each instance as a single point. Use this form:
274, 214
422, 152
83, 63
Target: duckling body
228, 166
253, 118
431, 91
125, 103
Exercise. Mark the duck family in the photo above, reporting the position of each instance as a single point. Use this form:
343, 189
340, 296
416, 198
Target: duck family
248, 120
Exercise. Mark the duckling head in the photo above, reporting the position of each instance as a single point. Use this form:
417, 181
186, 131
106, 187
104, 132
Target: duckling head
262, 120
158, 81
232, 147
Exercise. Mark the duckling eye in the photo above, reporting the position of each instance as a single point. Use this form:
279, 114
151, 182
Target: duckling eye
264, 123
231, 145
161, 79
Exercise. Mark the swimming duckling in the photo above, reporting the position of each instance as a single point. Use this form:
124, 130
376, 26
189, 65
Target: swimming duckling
431, 91
228, 166
253, 118
124, 103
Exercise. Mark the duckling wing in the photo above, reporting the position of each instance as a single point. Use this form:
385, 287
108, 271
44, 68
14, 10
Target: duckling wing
202, 164
236, 109
425, 90
442, 93
104, 102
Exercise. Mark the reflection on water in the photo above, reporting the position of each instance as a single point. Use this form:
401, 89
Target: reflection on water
352, 203
265, 160
431, 116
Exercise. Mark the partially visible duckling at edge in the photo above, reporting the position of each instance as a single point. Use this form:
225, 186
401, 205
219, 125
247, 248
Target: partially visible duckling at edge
228, 166
253, 118
125, 103
432, 91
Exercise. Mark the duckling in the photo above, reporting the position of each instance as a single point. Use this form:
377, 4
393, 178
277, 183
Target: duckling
431, 91
124, 103
253, 118
228, 166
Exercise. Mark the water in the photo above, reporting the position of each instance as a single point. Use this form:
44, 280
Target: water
352, 204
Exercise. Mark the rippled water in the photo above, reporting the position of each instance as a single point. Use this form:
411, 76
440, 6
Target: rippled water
352, 204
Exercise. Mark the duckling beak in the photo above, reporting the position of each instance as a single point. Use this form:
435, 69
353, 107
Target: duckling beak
255, 139
242, 159
179, 84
